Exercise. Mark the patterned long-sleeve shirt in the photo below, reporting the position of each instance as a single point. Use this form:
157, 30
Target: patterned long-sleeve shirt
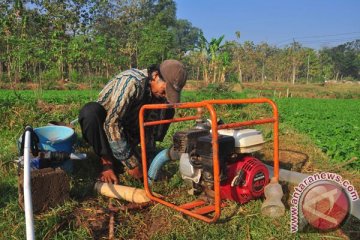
122, 98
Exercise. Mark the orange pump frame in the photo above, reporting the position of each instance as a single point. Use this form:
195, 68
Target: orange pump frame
196, 208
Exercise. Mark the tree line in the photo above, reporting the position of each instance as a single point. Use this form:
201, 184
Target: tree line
42, 41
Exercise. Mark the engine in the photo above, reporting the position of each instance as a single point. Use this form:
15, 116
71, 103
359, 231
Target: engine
242, 176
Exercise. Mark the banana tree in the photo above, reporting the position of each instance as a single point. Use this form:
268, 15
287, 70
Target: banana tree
214, 50
203, 57
225, 64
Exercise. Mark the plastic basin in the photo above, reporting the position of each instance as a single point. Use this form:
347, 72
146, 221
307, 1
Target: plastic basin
55, 138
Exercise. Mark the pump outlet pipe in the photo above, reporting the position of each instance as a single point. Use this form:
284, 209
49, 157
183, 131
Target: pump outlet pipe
29, 220
288, 176
296, 178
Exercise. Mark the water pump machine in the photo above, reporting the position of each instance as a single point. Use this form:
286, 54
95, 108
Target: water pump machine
218, 159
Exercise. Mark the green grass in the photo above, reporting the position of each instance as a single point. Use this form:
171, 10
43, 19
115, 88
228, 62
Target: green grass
156, 222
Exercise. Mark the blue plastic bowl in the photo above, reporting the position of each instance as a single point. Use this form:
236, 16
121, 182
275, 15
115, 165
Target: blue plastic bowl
56, 138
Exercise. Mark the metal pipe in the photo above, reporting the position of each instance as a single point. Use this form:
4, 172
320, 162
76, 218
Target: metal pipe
246, 123
29, 220
216, 165
152, 123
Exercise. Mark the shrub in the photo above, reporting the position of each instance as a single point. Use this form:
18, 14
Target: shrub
51, 75
72, 86
75, 76
233, 78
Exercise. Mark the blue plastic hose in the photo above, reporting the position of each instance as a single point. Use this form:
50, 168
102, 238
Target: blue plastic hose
159, 161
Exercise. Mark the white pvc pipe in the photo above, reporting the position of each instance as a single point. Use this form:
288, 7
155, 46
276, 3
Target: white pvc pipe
78, 156
29, 220
296, 178
288, 176
72, 123
355, 208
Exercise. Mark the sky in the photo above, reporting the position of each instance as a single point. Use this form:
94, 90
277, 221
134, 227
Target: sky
313, 23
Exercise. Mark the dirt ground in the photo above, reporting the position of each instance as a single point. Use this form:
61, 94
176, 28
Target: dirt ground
49, 187
320, 90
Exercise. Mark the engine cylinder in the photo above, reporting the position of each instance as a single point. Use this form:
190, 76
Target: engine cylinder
204, 151
246, 180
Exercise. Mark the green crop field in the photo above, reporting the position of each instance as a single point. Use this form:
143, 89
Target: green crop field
332, 125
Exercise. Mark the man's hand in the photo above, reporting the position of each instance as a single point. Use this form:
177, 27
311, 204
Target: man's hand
108, 176
135, 172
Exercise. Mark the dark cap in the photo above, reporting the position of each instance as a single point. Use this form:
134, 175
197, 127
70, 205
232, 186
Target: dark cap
174, 74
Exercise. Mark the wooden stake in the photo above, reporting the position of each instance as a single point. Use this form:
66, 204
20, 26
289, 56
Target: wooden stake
111, 221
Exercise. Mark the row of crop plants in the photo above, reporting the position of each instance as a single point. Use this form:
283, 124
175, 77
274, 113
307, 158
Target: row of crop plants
333, 124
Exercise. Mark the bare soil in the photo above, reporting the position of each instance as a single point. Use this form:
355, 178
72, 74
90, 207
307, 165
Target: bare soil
49, 188
321, 90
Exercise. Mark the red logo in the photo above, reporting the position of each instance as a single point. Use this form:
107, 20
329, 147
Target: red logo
325, 206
